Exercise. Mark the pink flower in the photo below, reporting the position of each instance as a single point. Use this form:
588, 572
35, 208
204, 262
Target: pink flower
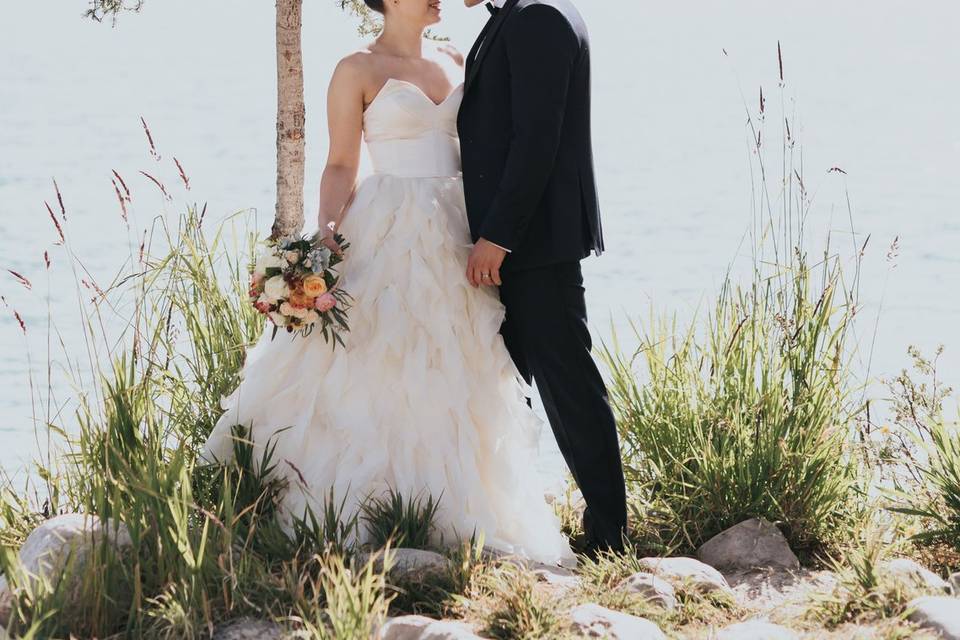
325, 302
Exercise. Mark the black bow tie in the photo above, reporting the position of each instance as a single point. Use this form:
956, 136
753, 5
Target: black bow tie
494, 10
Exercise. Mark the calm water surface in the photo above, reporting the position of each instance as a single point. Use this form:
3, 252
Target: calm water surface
871, 92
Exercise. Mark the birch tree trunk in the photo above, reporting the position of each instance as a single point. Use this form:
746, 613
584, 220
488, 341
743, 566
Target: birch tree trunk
291, 115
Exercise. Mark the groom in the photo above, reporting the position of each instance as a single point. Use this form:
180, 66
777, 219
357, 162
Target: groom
532, 202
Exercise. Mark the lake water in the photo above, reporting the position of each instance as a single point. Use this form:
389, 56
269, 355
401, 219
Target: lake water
868, 90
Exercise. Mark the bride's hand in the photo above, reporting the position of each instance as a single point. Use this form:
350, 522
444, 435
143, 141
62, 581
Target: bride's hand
326, 239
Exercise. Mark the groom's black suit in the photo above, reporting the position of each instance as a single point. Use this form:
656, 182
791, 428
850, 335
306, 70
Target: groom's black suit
528, 175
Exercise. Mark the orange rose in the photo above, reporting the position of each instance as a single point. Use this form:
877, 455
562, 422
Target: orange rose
300, 300
314, 286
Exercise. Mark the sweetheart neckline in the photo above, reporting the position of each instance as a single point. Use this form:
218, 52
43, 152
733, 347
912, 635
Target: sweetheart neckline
419, 90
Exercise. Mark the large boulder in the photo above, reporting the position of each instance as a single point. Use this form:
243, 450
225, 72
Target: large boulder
653, 589
937, 613
422, 628
752, 544
756, 630
248, 629
594, 621
60, 548
913, 574
688, 573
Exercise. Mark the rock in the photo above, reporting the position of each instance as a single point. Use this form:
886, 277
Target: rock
594, 621
938, 613
916, 575
752, 544
787, 592
248, 629
559, 578
48, 547
653, 589
756, 630
687, 572
422, 628
412, 564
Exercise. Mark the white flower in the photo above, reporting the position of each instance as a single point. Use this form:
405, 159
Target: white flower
312, 317
276, 288
265, 299
292, 256
278, 319
268, 261
288, 309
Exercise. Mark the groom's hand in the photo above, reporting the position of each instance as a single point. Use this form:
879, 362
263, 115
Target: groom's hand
483, 268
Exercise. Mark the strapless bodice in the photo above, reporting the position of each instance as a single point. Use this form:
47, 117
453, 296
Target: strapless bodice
411, 136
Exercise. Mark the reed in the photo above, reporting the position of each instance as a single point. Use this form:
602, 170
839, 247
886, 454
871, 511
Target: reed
749, 410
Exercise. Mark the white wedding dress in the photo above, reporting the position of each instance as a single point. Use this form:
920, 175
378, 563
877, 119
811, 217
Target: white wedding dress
425, 398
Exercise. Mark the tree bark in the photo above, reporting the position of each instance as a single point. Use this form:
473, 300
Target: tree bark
291, 116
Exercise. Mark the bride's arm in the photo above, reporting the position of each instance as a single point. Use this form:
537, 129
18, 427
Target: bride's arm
345, 122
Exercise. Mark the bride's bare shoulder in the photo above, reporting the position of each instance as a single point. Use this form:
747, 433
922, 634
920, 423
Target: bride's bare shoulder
360, 61
355, 73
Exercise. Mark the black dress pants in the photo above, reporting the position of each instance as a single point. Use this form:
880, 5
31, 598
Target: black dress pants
546, 333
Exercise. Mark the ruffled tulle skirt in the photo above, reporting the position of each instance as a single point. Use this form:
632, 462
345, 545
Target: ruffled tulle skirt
424, 399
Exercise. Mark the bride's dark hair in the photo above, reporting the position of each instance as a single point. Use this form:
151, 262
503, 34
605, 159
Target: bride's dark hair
376, 5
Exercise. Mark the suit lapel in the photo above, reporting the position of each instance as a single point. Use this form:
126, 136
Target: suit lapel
487, 36
476, 45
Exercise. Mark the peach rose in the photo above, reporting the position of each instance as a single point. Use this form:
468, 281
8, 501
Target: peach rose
325, 302
300, 300
314, 286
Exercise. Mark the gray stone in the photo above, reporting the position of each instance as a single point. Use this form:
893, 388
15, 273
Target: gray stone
412, 564
955, 582
46, 551
594, 621
756, 630
559, 578
422, 628
655, 590
937, 613
248, 629
916, 575
687, 573
752, 544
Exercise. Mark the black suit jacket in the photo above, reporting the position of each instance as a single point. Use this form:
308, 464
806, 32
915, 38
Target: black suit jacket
525, 135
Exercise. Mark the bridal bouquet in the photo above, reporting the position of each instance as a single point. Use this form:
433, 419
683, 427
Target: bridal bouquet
295, 284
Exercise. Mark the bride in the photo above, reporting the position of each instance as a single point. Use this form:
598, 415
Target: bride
424, 399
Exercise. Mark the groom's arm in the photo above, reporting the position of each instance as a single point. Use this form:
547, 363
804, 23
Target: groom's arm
541, 49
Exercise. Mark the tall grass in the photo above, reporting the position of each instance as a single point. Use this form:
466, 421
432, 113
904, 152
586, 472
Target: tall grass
207, 541
748, 411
